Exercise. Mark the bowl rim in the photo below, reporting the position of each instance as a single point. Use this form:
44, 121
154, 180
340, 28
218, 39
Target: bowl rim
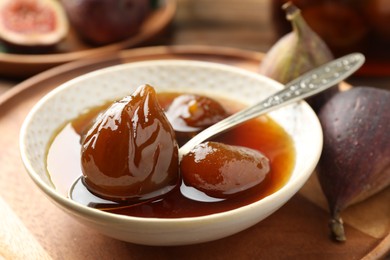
96, 214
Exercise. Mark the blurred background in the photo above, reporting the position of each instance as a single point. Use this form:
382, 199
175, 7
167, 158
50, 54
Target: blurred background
255, 25
345, 25
243, 24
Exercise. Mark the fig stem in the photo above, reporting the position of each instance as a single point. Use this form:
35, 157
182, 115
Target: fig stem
299, 25
336, 226
291, 10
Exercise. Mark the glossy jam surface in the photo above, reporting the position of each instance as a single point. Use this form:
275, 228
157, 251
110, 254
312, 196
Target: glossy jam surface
130, 152
223, 171
190, 113
261, 134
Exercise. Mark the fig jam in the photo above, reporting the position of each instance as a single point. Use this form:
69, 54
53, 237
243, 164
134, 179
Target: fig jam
130, 153
262, 134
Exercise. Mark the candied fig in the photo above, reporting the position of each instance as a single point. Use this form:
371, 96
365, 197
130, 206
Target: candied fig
189, 114
355, 162
32, 25
223, 171
130, 153
102, 22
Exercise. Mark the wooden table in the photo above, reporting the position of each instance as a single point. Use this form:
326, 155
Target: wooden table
243, 24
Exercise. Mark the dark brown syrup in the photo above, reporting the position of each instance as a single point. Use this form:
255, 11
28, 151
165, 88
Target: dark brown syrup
262, 134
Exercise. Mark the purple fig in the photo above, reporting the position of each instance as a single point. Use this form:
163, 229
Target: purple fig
102, 22
355, 162
296, 53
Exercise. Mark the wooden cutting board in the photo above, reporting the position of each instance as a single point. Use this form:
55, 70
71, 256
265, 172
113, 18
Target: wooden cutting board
298, 230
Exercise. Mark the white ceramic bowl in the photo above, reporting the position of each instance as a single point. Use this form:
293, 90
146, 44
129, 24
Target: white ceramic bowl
67, 101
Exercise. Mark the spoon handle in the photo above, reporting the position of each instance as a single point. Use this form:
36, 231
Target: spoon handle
309, 84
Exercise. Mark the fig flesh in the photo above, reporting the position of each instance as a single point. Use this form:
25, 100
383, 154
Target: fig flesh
355, 162
101, 22
222, 171
130, 152
32, 25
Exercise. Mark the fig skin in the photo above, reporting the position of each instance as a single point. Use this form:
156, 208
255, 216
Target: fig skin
130, 152
355, 162
189, 114
222, 171
296, 53
100, 22
32, 26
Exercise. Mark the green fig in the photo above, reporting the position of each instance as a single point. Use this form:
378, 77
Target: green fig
355, 162
296, 53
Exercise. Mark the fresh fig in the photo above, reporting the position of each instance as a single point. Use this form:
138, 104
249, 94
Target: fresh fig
296, 53
102, 22
130, 152
32, 25
355, 162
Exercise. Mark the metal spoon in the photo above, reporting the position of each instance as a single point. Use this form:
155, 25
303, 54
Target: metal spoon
307, 85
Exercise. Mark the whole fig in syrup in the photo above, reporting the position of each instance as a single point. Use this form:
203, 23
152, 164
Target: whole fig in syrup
130, 152
222, 170
189, 114
355, 162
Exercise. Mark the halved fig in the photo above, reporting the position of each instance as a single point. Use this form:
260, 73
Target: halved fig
32, 24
